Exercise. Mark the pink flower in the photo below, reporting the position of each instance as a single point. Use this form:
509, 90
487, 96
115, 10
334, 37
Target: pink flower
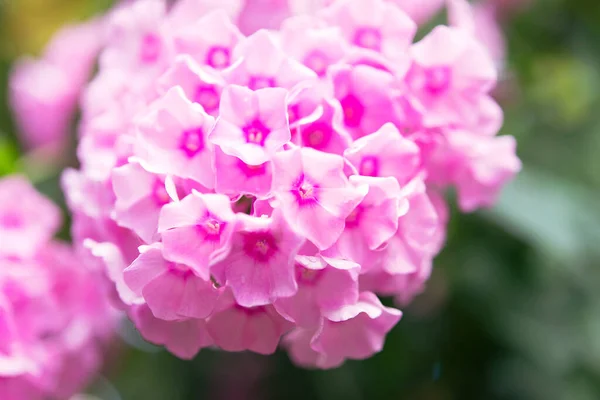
406, 261
195, 229
210, 40
27, 219
363, 324
304, 103
319, 47
261, 63
187, 12
297, 343
324, 284
235, 177
102, 146
365, 96
325, 133
54, 312
403, 286
479, 20
184, 337
416, 230
385, 153
140, 195
236, 328
135, 37
172, 291
74, 48
372, 223
450, 70
374, 25
174, 139
114, 264
43, 100
251, 125
489, 32
482, 166
314, 194
43, 93
13, 359
259, 267
356, 331
200, 85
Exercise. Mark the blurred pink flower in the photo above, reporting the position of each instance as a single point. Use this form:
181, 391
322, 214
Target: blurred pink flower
55, 316
44, 92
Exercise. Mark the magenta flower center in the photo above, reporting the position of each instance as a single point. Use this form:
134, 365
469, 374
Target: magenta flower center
317, 61
317, 135
207, 97
305, 191
261, 82
11, 221
211, 227
192, 141
256, 132
159, 192
150, 48
437, 79
218, 57
353, 110
260, 246
369, 166
368, 38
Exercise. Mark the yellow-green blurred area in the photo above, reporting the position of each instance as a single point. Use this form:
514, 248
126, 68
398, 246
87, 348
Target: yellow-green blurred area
27, 24
512, 311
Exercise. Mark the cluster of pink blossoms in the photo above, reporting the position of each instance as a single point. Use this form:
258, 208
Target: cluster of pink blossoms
245, 187
55, 316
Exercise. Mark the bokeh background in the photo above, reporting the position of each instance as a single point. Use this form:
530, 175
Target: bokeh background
513, 308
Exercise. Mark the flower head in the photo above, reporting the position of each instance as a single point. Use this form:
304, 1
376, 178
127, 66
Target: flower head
234, 191
53, 313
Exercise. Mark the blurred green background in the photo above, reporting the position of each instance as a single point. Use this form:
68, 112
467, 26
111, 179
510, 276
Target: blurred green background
513, 308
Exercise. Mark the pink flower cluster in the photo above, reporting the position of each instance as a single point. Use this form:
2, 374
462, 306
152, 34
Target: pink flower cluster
246, 191
44, 92
54, 313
